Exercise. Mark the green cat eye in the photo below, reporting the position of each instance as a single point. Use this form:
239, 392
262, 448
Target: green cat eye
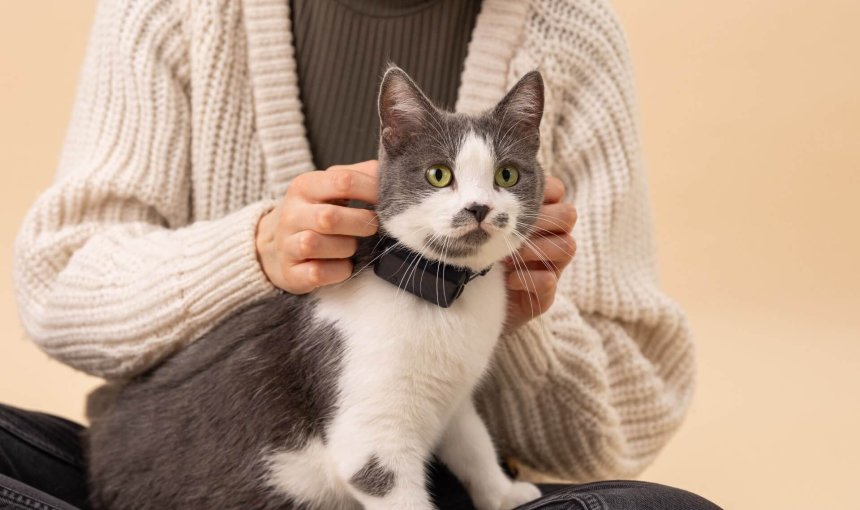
439, 176
507, 176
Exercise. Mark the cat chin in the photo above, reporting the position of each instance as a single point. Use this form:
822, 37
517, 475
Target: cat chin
458, 246
491, 252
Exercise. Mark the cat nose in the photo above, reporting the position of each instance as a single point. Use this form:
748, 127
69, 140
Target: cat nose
479, 211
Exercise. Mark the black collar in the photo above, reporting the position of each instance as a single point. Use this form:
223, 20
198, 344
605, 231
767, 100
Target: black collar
434, 281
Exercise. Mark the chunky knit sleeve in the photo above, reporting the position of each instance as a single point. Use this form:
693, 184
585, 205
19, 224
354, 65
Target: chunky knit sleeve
593, 389
111, 273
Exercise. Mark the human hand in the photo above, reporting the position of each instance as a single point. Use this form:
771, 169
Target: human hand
305, 242
534, 270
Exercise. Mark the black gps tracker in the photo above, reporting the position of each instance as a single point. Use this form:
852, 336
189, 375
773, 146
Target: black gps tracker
436, 282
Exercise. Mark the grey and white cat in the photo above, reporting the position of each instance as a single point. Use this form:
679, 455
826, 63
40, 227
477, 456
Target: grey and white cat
338, 399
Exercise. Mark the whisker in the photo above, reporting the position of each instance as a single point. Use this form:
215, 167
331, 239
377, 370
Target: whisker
546, 261
519, 272
512, 145
396, 244
532, 244
552, 221
374, 259
410, 270
444, 258
503, 141
538, 317
549, 239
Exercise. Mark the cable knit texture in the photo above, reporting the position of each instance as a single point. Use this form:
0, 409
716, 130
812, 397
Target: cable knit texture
187, 125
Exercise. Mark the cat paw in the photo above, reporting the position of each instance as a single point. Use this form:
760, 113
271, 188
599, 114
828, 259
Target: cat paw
520, 493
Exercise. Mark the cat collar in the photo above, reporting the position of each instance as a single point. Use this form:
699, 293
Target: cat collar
433, 281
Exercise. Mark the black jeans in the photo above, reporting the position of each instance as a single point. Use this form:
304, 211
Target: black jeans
42, 467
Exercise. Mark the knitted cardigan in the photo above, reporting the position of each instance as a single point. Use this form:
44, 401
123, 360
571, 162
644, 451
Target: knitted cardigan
187, 126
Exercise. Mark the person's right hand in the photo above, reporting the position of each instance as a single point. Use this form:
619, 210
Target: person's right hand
305, 242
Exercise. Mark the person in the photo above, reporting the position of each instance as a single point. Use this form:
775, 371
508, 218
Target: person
186, 189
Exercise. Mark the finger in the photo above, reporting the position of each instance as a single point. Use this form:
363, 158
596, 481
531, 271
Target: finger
313, 274
333, 219
553, 191
536, 281
335, 184
556, 250
555, 218
368, 167
534, 304
308, 244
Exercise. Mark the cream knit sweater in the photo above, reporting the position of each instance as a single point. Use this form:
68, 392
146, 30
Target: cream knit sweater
186, 127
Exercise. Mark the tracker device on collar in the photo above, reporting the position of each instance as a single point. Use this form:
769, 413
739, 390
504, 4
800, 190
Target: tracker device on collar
436, 282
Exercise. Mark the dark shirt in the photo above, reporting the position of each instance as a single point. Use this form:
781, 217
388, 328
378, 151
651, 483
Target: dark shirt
342, 49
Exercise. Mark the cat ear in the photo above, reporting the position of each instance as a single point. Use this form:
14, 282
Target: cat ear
404, 111
521, 110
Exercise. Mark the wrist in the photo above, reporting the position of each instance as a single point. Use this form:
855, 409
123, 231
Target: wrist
264, 234
264, 241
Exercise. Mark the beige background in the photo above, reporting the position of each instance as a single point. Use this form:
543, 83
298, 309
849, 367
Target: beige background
751, 123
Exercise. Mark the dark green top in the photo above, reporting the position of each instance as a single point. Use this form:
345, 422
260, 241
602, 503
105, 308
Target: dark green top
342, 49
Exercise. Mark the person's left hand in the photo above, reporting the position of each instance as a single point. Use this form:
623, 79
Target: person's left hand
532, 274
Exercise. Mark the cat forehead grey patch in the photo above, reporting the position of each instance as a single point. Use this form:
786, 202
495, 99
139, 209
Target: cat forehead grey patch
373, 479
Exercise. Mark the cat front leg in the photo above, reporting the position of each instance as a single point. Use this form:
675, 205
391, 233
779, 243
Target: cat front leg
467, 449
382, 469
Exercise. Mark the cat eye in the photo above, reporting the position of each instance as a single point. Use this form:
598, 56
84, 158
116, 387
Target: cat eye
507, 176
439, 176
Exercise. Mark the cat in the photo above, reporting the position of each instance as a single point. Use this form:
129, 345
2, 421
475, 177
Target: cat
339, 398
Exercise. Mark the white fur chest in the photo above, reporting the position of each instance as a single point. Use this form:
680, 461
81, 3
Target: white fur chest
409, 363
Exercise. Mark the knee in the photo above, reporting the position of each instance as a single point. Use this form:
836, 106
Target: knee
631, 495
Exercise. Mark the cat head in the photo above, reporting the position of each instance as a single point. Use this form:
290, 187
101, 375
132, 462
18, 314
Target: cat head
462, 189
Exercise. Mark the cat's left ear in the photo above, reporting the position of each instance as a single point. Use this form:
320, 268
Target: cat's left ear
404, 110
521, 109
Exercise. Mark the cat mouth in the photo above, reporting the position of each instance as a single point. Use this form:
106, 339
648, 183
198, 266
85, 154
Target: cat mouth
463, 245
476, 236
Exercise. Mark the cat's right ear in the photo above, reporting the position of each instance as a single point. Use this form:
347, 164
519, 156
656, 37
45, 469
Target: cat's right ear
404, 111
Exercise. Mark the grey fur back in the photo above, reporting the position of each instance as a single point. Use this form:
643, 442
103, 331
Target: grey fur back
265, 376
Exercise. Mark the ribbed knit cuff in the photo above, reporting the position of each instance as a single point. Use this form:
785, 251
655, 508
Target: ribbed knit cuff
221, 272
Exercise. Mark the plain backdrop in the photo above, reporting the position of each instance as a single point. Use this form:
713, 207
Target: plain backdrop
751, 131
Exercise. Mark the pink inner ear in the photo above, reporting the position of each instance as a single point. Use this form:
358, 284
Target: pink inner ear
389, 136
525, 101
407, 106
525, 106
402, 104
405, 110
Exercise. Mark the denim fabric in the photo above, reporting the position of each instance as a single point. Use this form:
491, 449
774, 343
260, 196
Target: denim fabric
448, 493
43, 454
42, 467
15, 495
618, 495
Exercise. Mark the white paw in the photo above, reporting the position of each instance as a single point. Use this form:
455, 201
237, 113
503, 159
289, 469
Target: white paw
520, 493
